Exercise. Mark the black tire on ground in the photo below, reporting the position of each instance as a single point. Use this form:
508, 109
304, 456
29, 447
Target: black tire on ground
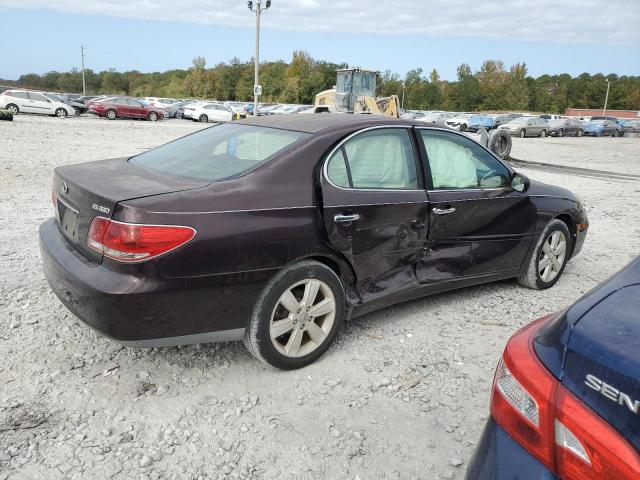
153, 116
532, 278
61, 113
523, 133
203, 118
463, 127
561, 133
6, 115
580, 132
111, 114
13, 108
500, 143
543, 133
77, 110
257, 336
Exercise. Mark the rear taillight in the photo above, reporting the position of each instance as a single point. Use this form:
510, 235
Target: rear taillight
128, 242
553, 425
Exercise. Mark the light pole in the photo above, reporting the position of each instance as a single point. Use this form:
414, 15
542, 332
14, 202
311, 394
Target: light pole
84, 83
257, 89
606, 99
402, 102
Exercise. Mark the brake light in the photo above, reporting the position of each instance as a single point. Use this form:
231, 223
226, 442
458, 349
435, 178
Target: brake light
129, 242
552, 424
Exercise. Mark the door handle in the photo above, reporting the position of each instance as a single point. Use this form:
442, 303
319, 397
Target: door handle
443, 211
352, 217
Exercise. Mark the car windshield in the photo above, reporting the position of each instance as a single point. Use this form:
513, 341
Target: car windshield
218, 153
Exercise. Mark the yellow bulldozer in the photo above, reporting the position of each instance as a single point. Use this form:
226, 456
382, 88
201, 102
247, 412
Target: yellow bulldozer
355, 92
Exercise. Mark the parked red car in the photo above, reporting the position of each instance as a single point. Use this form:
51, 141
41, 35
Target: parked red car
121, 107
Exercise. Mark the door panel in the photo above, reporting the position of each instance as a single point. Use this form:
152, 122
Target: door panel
487, 232
379, 230
478, 224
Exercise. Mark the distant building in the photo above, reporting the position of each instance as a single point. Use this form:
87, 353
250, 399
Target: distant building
593, 112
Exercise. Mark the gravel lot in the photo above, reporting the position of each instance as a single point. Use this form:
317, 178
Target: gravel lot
402, 394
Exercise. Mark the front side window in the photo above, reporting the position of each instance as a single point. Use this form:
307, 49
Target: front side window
457, 162
376, 159
218, 153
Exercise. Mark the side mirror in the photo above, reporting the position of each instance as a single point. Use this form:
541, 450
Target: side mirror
519, 182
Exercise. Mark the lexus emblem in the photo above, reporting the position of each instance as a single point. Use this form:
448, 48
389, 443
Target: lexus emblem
65, 187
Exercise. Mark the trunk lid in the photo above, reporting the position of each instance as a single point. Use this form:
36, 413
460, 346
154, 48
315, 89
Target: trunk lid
84, 191
602, 363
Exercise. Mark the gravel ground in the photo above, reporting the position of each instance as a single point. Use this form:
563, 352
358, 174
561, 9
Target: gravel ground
402, 394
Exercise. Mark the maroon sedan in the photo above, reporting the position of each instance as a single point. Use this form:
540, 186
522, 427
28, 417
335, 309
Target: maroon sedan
121, 107
278, 229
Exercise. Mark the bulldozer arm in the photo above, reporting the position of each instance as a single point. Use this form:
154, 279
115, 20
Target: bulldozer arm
388, 106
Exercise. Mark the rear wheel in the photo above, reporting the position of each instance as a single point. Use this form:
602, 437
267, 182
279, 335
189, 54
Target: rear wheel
203, 118
13, 108
76, 110
153, 116
111, 114
580, 132
543, 133
297, 316
549, 257
561, 133
523, 133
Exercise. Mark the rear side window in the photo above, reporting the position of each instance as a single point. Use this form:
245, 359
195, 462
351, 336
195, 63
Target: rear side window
220, 152
376, 159
19, 95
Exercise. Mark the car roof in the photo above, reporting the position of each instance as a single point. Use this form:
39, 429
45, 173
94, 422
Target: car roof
318, 122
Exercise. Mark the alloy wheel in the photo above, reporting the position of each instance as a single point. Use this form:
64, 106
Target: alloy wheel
551, 261
302, 318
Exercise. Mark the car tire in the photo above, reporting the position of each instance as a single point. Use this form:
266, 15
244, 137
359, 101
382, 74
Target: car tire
500, 143
13, 108
560, 133
539, 276
291, 284
523, 133
152, 117
6, 115
463, 127
61, 113
543, 133
203, 118
111, 114
580, 132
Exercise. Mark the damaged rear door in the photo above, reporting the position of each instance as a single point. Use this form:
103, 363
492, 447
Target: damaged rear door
479, 225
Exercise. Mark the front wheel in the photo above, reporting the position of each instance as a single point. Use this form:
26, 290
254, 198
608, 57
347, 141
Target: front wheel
203, 118
463, 127
543, 133
549, 257
580, 132
523, 133
297, 316
561, 133
61, 113
153, 116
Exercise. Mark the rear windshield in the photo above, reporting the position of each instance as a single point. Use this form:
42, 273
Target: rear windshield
218, 153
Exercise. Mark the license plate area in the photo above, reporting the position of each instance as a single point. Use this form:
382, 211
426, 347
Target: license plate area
68, 221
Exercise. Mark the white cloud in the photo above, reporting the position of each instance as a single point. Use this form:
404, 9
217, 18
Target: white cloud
614, 22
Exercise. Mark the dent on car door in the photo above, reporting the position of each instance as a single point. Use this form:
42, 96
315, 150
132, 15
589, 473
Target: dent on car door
479, 225
375, 207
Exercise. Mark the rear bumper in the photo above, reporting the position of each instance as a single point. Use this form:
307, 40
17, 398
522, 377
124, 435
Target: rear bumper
143, 308
499, 457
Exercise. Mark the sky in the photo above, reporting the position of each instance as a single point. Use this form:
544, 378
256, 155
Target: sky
550, 36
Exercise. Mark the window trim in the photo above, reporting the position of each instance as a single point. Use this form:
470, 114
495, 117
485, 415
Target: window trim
427, 166
340, 146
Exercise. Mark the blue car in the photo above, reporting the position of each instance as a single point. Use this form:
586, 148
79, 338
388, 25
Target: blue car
477, 121
599, 126
565, 402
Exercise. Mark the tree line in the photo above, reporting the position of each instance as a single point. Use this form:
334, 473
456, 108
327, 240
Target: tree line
493, 87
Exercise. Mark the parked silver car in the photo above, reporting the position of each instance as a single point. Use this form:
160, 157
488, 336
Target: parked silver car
27, 101
527, 127
566, 126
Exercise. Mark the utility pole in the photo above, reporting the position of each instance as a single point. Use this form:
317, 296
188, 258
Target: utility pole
402, 102
606, 99
257, 88
84, 83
